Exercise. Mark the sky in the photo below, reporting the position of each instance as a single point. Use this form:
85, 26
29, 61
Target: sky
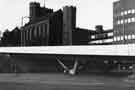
89, 12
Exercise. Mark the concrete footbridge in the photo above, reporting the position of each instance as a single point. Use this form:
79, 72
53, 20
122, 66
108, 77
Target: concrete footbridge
74, 58
114, 50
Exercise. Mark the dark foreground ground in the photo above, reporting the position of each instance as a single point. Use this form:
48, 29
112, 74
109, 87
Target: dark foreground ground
64, 82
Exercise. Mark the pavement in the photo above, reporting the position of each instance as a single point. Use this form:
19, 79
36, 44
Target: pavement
53, 81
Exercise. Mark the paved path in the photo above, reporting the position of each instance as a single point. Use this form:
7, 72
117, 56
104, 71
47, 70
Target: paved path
60, 82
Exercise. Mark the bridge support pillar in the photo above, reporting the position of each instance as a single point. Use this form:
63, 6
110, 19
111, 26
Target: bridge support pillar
119, 68
133, 69
70, 71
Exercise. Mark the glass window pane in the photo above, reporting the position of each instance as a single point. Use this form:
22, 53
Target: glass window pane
129, 11
122, 13
126, 20
133, 11
125, 12
133, 19
129, 20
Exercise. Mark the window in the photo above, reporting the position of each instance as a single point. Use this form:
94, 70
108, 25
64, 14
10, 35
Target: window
129, 36
108, 40
133, 11
93, 36
126, 37
122, 13
126, 20
110, 34
100, 41
118, 38
115, 39
121, 22
129, 11
122, 38
133, 36
129, 20
133, 19
118, 22
125, 12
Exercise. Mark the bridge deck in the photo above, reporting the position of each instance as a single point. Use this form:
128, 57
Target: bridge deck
115, 50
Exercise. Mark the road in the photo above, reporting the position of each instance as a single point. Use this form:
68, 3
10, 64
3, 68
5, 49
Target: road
63, 82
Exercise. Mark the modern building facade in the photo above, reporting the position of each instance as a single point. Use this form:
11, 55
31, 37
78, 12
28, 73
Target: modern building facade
124, 21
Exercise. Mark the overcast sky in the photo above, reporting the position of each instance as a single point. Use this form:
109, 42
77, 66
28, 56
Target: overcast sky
89, 12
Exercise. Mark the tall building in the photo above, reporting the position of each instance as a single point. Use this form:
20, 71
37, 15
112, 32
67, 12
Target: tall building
34, 10
124, 21
47, 27
69, 23
44, 27
38, 13
56, 28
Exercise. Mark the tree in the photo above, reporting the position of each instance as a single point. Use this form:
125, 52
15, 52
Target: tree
6, 38
11, 38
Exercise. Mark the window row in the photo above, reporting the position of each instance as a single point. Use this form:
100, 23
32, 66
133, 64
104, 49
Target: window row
130, 11
129, 20
126, 12
102, 35
127, 37
102, 41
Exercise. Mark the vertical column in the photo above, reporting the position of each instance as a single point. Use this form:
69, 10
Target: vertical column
44, 29
119, 67
39, 30
21, 36
47, 32
32, 35
30, 32
43, 34
39, 35
133, 69
24, 38
27, 34
35, 31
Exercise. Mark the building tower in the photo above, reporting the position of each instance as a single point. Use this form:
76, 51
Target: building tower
69, 23
34, 11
